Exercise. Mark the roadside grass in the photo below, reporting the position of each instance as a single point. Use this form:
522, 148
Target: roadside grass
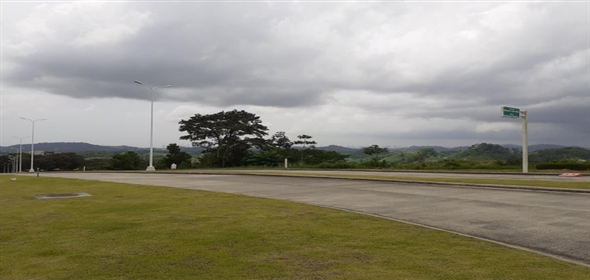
128, 231
377, 176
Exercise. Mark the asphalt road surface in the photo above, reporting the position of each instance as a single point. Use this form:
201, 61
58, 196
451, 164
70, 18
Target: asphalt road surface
553, 223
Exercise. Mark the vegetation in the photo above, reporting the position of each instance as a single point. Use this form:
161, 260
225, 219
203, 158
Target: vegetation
477, 157
48, 161
175, 156
236, 139
580, 166
99, 163
305, 140
562, 154
226, 136
127, 161
375, 151
143, 232
488, 151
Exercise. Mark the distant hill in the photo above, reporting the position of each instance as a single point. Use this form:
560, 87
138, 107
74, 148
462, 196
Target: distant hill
72, 147
339, 149
537, 153
533, 148
487, 151
436, 148
80, 147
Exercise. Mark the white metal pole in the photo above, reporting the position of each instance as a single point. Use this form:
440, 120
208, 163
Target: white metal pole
525, 147
20, 152
16, 163
151, 166
32, 146
20, 156
32, 141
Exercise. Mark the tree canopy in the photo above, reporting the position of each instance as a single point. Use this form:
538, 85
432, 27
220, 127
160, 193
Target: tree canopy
127, 161
374, 150
176, 156
280, 141
226, 135
305, 140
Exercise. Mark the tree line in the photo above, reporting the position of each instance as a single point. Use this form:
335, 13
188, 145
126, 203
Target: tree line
229, 139
238, 138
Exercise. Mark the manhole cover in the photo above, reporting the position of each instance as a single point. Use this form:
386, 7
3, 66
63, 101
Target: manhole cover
60, 195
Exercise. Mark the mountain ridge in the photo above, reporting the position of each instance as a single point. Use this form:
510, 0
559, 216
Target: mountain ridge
75, 147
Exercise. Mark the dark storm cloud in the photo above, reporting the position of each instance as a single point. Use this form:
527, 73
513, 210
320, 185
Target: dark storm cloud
435, 60
197, 47
255, 49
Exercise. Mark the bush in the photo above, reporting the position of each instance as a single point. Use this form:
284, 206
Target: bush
564, 165
337, 165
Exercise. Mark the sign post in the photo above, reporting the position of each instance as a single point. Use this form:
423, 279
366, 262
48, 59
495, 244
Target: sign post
509, 112
515, 113
525, 144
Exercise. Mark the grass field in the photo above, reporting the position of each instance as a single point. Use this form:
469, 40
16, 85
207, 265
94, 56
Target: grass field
143, 232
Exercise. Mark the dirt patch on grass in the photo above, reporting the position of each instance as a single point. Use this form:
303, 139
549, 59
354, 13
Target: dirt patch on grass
60, 195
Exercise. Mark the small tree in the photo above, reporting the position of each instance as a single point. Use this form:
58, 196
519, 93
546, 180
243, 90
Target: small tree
424, 153
176, 156
305, 156
280, 141
127, 161
305, 140
374, 150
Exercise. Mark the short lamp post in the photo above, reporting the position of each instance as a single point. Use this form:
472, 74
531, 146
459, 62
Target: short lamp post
32, 141
152, 88
20, 153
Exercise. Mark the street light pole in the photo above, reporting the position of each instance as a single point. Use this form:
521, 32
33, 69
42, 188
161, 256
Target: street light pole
32, 141
152, 88
20, 152
525, 139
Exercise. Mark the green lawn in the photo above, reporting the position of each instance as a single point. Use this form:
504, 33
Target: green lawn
143, 232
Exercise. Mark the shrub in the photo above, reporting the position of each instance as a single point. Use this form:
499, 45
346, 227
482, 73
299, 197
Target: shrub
337, 165
564, 165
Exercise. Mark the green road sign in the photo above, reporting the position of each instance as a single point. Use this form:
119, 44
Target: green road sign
509, 112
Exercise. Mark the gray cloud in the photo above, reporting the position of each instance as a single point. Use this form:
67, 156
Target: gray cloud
445, 60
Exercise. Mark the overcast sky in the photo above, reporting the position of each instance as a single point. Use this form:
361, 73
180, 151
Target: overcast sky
394, 74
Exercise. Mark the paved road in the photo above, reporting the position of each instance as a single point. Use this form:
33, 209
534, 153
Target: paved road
554, 223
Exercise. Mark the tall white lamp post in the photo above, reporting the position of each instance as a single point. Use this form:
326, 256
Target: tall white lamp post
152, 88
20, 153
32, 141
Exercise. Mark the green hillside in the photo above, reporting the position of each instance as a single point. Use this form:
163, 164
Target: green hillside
487, 151
561, 154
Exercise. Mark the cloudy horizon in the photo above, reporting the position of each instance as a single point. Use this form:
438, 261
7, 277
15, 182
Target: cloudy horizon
353, 74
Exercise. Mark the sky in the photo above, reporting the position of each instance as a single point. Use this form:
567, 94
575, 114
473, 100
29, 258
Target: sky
390, 73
